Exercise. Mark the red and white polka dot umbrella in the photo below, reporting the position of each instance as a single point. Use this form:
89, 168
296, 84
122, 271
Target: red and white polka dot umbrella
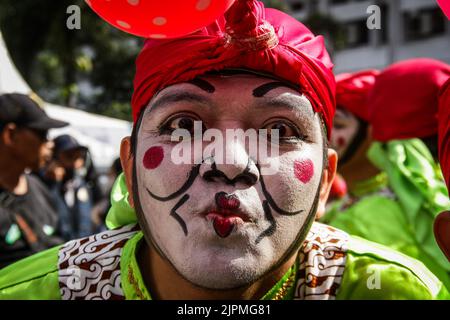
159, 18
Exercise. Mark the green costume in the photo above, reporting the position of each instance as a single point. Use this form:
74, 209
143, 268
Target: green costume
330, 265
397, 207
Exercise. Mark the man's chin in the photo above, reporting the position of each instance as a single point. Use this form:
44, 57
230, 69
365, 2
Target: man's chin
232, 275
219, 267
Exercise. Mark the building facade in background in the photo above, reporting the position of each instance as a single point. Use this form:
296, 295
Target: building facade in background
409, 29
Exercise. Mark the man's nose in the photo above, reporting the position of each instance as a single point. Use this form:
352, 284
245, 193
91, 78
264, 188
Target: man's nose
235, 166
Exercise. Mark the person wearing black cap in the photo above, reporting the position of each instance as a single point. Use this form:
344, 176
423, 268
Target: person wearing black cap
72, 180
28, 219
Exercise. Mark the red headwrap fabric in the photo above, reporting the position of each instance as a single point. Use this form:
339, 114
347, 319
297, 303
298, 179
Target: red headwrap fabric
352, 90
403, 103
249, 36
444, 131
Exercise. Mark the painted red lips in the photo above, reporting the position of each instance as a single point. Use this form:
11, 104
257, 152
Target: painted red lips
227, 214
223, 225
224, 221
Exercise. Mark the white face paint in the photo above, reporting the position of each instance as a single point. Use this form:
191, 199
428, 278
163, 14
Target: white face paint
345, 128
217, 241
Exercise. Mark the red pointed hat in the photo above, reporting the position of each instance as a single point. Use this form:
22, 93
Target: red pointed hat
403, 103
250, 37
352, 90
444, 131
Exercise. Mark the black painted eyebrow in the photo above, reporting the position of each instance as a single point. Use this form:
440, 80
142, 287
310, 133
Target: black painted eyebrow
203, 84
344, 112
266, 87
179, 96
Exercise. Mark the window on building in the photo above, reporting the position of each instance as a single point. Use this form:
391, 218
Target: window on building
424, 23
384, 23
356, 33
344, 1
297, 5
339, 1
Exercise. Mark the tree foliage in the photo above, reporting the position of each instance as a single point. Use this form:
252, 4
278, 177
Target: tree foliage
91, 68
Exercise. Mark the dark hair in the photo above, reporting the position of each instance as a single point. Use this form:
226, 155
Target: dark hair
117, 166
358, 140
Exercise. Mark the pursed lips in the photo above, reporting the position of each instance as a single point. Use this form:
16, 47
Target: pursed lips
225, 213
225, 221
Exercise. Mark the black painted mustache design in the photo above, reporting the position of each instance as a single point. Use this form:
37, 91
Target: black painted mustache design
214, 174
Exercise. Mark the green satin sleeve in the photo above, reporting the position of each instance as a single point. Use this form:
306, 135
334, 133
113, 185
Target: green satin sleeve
120, 214
419, 187
374, 272
33, 278
381, 220
406, 222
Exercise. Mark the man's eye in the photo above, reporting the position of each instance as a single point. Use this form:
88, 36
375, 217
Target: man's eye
179, 122
182, 123
339, 125
285, 130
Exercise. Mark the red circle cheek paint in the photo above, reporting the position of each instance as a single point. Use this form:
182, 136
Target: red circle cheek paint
153, 157
304, 170
341, 141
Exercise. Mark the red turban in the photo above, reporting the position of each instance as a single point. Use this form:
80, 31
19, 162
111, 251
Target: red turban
444, 131
250, 37
403, 103
352, 90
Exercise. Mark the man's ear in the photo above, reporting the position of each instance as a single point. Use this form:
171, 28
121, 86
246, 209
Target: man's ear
8, 134
127, 160
327, 180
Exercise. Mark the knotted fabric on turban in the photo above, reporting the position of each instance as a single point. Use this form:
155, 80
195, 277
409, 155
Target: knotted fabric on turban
403, 103
352, 90
444, 131
250, 37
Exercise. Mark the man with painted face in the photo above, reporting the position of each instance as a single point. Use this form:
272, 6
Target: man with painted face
350, 124
403, 191
212, 229
351, 138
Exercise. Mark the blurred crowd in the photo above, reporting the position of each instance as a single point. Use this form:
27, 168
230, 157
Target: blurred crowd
49, 188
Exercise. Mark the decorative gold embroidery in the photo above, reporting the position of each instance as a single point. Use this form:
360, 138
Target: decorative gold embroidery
285, 287
134, 283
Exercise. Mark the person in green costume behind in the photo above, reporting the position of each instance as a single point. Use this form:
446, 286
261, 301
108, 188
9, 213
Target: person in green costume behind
190, 225
395, 185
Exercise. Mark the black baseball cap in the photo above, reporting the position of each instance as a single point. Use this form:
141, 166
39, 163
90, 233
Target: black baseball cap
66, 142
23, 111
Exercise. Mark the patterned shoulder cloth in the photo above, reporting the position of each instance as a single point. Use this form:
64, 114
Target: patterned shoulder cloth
89, 268
321, 263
